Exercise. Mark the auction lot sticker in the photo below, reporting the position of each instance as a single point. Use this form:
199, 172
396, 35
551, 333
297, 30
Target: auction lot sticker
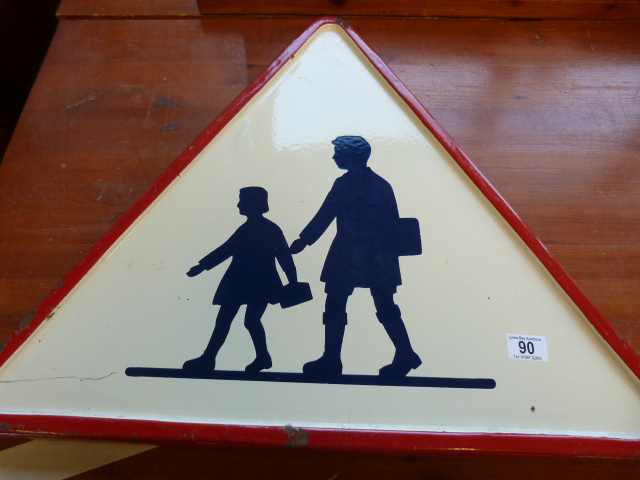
527, 347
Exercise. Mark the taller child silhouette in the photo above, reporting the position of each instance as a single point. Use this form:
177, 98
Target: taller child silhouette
366, 213
252, 279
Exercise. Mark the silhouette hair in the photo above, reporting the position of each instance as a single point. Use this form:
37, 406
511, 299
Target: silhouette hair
255, 198
358, 148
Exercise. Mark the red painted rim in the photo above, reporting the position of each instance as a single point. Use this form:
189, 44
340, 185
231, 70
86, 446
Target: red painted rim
396, 442
291, 436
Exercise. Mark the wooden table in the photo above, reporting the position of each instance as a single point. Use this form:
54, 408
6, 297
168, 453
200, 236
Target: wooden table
549, 110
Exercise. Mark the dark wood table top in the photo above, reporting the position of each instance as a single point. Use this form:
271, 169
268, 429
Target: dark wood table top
549, 110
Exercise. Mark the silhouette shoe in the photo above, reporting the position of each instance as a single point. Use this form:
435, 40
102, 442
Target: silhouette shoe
260, 363
401, 365
323, 368
200, 364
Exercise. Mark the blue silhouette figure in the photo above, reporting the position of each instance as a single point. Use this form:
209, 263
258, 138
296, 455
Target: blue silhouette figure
361, 255
252, 279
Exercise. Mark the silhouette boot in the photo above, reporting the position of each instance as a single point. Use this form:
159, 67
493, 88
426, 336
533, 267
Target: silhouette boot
263, 359
262, 362
204, 363
405, 359
259, 338
207, 361
329, 364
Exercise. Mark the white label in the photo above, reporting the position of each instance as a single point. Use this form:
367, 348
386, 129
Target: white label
527, 347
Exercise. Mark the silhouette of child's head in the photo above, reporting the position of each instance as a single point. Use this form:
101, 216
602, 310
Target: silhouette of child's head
351, 151
253, 201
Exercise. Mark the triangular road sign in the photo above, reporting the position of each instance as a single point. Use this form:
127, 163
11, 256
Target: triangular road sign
463, 333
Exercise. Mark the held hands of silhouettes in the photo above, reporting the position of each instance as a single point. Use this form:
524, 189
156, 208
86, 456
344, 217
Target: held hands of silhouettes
297, 246
195, 270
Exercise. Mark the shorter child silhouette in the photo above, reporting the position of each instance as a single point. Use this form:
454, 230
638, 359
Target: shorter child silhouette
251, 279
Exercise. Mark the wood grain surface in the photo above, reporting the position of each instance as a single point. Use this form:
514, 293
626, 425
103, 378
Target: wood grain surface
548, 110
222, 463
555, 9
100, 9
540, 9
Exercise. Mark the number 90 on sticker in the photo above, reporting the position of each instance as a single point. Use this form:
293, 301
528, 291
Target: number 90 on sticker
527, 347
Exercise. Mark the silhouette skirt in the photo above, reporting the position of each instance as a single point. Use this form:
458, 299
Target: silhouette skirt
241, 286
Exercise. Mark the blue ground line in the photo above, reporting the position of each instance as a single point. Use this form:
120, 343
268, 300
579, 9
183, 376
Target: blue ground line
286, 377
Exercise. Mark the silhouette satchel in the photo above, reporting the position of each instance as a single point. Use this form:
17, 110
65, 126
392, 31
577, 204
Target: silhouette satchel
406, 239
294, 294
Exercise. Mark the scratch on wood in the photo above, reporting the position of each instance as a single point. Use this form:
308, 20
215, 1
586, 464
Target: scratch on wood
611, 6
89, 98
170, 127
164, 102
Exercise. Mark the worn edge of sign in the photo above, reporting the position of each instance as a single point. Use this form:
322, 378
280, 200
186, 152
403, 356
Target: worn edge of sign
543, 445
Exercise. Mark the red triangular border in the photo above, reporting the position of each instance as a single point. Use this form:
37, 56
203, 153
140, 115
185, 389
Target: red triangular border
348, 440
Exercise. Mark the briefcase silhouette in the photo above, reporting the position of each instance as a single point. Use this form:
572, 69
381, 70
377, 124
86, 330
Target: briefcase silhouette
406, 238
294, 294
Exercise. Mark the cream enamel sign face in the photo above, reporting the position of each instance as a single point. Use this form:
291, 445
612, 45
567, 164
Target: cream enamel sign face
323, 257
